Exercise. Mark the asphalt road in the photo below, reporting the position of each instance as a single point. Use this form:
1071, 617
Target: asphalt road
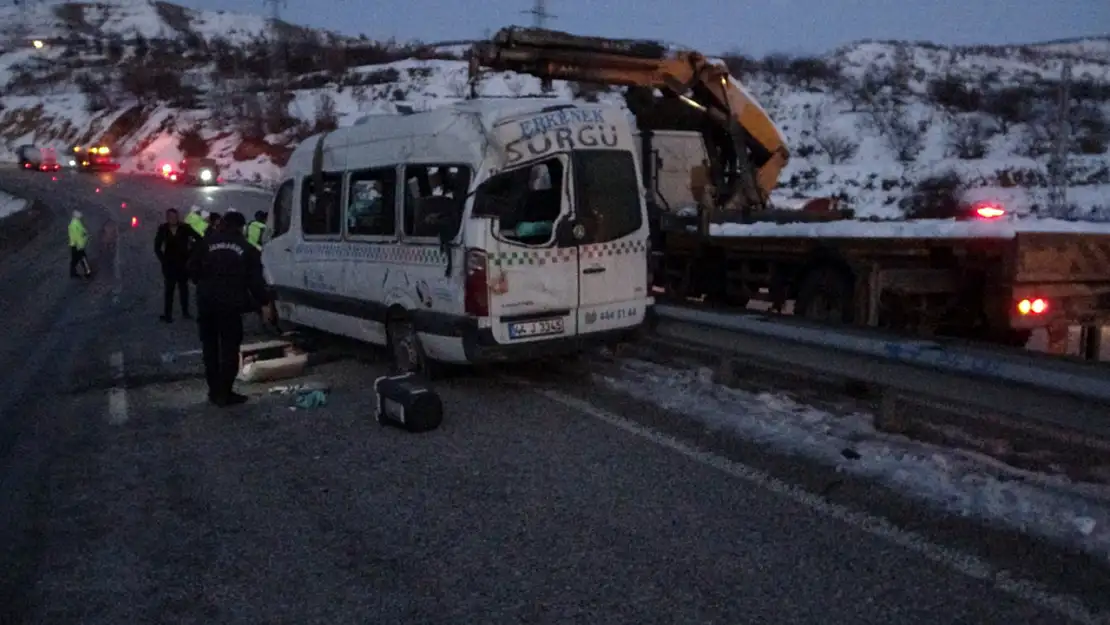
125, 498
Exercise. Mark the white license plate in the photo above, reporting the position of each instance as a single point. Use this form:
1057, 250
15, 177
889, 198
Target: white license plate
541, 327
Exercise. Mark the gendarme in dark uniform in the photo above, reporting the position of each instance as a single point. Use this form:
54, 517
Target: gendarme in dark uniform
228, 273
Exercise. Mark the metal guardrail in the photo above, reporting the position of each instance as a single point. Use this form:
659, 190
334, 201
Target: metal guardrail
1039, 390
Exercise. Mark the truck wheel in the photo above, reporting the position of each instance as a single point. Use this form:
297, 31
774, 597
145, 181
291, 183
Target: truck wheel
826, 295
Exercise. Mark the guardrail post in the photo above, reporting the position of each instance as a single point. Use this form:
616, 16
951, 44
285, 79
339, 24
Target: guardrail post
1090, 342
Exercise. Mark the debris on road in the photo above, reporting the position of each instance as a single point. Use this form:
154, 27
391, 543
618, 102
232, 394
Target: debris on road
311, 399
294, 389
270, 360
172, 357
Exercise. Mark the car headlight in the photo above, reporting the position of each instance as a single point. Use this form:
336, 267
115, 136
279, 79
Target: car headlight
72, 163
205, 175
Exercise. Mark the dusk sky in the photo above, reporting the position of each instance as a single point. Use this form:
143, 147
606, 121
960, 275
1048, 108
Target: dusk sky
757, 28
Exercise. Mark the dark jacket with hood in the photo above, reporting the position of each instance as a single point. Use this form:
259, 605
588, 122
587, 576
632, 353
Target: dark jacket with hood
228, 273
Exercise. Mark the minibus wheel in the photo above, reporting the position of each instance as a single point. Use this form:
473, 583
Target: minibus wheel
405, 351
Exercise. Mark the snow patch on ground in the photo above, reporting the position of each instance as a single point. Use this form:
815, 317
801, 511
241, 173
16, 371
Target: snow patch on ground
10, 205
961, 483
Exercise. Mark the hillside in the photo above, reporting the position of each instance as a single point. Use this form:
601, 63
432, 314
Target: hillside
867, 122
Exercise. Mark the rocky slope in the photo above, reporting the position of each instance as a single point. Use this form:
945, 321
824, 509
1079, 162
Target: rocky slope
867, 122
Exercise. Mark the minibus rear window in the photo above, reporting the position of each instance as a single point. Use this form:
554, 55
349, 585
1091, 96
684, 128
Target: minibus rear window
607, 194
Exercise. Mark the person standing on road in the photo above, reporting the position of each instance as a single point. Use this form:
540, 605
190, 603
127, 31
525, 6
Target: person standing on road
214, 222
78, 241
197, 220
173, 244
256, 229
228, 273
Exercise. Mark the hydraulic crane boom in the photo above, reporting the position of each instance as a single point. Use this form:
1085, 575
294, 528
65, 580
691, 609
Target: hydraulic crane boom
750, 150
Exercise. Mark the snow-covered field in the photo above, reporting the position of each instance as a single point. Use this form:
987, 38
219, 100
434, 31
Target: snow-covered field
959, 482
873, 175
9, 204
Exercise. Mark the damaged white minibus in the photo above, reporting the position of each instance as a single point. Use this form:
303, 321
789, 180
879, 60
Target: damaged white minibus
484, 231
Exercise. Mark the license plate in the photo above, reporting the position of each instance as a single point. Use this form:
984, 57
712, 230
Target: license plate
541, 327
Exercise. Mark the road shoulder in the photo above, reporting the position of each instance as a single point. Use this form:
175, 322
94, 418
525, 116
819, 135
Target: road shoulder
20, 227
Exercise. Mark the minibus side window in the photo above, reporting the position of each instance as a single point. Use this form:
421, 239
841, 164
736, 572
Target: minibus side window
434, 193
320, 214
528, 201
371, 203
283, 208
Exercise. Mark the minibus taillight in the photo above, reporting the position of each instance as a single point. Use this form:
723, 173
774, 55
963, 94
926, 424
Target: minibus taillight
477, 284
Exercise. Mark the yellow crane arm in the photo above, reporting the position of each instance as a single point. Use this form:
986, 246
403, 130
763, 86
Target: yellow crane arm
759, 150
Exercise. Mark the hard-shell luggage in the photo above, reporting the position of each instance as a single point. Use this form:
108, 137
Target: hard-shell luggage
405, 401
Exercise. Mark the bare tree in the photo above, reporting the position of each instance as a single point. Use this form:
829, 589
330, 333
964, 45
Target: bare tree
903, 136
250, 117
902, 70
867, 91
967, 137
766, 92
836, 146
458, 84
1039, 136
327, 114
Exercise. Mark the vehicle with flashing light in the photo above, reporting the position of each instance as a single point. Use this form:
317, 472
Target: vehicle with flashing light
94, 158
193, 171
710, 157
37, 158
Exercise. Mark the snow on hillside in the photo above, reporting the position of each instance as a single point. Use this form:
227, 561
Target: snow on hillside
866, 122
54, 20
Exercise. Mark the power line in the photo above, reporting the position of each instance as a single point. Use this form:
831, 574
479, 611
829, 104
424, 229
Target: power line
1058, 164
277, 60
539, 20
539, 14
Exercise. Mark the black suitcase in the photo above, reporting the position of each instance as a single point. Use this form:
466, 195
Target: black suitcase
405, 401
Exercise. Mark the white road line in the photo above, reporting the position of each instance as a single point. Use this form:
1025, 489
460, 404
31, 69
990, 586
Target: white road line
966, 564
117, 395
117, 276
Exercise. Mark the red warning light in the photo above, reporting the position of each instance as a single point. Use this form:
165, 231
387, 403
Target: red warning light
98, 189
134, 222
123, 205
53, 178
989, 211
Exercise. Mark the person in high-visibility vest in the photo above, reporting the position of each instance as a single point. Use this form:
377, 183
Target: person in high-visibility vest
197, 220
78, 241
256, 229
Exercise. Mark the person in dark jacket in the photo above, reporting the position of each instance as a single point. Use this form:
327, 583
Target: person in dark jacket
173, 244
214, 223
228, 273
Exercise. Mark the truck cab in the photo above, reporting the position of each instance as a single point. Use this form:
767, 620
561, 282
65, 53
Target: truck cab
37, 159
96, 158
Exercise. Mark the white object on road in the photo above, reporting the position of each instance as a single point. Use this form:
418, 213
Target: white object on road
10, 204
117, 395
273, 369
